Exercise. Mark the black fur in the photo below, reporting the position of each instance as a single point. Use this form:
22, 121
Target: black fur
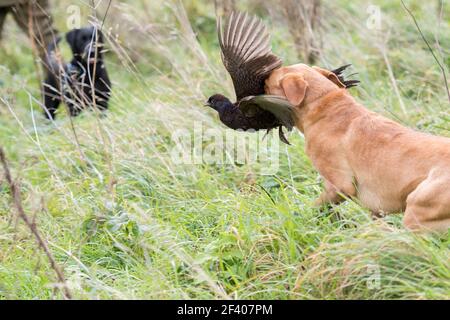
73, 82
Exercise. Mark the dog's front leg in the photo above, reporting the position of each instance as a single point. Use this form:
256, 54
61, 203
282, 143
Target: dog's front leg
52, 96
328, 196
334, 195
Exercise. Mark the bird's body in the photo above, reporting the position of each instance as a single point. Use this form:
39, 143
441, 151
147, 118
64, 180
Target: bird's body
252, 114
233, 117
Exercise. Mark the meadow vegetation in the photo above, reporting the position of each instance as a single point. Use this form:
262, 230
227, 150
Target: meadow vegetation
126, 221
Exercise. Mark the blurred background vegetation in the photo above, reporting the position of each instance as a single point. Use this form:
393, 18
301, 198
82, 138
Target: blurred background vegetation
124, 221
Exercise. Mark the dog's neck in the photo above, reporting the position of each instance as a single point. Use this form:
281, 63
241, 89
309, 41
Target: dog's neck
337, 105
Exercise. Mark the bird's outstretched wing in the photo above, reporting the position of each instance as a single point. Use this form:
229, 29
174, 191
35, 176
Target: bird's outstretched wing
280, 107
347, 83
246, 53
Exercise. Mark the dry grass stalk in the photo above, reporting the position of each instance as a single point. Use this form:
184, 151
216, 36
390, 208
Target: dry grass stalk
304, 22
31, 224
225, 7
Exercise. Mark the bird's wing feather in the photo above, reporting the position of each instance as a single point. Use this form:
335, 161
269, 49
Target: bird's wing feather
246, 53
280, 107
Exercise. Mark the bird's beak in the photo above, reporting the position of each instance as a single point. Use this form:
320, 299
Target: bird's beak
207, 104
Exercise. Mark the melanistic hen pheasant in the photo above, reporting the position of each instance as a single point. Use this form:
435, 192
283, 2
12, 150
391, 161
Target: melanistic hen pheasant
247, 55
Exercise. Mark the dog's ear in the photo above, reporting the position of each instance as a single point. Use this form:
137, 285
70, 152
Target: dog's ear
294, 87
71, 36
330, 76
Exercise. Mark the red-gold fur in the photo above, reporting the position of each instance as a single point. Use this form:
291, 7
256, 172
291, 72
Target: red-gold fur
388, 167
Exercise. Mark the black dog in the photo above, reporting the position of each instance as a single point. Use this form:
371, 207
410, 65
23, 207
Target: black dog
74, 81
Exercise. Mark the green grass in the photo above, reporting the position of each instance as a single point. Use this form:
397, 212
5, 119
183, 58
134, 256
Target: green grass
125, 221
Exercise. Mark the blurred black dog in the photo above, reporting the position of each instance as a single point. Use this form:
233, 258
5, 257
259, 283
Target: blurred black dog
73, 83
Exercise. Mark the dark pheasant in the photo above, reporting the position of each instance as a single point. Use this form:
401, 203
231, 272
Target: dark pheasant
247, 56
254, 113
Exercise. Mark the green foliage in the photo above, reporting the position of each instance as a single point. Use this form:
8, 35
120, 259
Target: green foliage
125, 221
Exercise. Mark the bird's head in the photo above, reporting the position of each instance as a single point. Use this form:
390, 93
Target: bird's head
218, 102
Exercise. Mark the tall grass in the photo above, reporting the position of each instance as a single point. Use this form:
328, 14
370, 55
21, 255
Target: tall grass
125, 221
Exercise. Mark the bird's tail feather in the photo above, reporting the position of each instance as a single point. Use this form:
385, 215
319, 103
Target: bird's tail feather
347, 83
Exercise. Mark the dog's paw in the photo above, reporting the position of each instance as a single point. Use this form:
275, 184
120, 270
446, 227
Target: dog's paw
320, 203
